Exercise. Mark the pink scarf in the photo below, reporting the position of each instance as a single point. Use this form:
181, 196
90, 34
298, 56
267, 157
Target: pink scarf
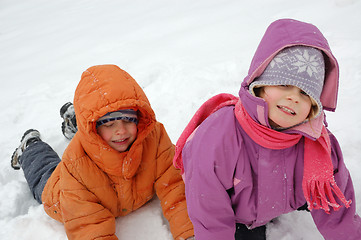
318, 180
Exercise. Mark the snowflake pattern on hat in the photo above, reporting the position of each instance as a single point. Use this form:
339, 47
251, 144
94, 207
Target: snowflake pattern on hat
310, 64
307, 63
301, 59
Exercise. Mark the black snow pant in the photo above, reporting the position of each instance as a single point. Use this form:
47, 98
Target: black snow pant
243, 233
38, 162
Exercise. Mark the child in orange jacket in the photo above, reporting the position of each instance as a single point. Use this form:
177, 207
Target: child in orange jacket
119, 157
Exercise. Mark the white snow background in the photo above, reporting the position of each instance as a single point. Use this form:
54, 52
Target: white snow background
181, 52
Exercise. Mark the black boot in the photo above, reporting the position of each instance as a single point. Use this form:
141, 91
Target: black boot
243, 233
29, 137
68, 126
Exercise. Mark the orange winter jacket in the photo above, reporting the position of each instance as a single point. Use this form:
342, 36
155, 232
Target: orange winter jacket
94, 183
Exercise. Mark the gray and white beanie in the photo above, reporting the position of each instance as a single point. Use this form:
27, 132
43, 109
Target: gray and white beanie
299, 66
129, 115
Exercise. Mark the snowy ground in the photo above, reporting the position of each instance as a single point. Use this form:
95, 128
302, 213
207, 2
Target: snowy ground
181, 52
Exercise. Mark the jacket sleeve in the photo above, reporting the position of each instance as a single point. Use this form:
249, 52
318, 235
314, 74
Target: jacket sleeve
209, 166
83, 216
345, 223
169, 187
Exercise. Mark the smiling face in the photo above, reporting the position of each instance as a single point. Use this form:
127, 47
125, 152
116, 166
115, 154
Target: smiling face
119, 134
287, 105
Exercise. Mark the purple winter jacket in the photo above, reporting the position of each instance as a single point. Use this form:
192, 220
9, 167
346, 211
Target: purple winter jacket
230, 179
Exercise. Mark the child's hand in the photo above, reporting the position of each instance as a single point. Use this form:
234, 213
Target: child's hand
191, 238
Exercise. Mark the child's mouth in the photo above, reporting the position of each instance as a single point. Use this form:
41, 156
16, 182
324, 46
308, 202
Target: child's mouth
287, 110
120, 141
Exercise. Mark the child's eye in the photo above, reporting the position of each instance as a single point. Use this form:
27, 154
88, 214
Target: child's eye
304, 93
108, 124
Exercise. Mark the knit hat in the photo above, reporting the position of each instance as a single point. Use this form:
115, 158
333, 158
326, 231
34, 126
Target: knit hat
129, 115
299, 66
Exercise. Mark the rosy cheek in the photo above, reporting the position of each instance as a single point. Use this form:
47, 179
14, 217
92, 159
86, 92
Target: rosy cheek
105, 133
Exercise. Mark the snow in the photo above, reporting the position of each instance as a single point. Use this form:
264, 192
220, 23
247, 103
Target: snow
180, 52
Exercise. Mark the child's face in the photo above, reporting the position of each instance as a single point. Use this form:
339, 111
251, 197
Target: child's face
287, 105
119, 134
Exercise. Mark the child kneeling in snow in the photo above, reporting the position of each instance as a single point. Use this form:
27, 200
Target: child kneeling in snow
250, 159
119, 157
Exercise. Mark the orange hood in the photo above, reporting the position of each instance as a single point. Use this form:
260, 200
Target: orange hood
103, 89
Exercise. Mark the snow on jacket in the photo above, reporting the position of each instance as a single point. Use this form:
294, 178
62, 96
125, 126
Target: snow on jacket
231, 179
94, 183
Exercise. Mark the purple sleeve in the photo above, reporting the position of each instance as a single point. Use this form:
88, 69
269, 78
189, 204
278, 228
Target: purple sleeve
345, 223
209, 163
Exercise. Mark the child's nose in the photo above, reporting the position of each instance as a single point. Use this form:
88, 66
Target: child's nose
120, 127
294, 94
